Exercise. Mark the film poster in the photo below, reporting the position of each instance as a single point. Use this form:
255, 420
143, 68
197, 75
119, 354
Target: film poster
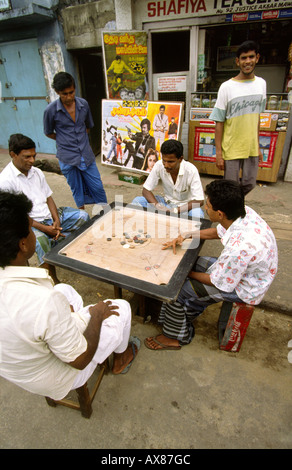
205, 150
133, 131
125, 64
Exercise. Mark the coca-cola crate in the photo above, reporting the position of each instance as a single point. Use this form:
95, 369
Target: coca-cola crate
232, 325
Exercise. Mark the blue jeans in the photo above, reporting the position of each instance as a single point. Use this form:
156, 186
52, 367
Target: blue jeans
142, 201
85, 184
70, 220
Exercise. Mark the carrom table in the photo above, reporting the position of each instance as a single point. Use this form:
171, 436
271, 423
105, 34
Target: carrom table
122, 246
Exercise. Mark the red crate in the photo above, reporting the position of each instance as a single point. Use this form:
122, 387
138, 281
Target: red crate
233, 323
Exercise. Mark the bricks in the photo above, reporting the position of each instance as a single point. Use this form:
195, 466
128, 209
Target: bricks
233, 322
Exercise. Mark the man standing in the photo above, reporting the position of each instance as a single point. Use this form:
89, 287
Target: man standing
160, 126
113, 148
118, 67
68, 120
172, 130
237, 114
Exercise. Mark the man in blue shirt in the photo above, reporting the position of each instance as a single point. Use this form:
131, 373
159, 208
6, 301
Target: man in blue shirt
68, 120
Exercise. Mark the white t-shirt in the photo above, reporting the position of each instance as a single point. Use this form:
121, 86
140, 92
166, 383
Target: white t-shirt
239, 104
34, 186
249, 260
187, 187
39, 334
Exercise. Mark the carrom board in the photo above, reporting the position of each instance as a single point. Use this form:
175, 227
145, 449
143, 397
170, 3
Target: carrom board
123, 246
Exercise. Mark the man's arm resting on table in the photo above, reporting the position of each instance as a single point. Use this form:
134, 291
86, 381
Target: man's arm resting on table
205, 234
98, 312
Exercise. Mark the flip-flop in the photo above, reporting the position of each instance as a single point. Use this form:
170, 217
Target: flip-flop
163, 346
133, 341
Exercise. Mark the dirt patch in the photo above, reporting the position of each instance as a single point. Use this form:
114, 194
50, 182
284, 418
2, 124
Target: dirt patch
265, 341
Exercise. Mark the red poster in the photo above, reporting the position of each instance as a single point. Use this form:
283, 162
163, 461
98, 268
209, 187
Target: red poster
205, 149
268, 141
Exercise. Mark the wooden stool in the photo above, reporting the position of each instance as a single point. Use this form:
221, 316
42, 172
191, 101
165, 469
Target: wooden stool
85, 398
232, 325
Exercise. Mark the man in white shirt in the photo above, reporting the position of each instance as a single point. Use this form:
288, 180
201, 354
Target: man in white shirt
243, 272
160, 126
183, 192
50, 223
51, 344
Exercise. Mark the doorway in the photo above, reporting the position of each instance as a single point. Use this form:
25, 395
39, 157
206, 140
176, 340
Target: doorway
170, 56
93, 90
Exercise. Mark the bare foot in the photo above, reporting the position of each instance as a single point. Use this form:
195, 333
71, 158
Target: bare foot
121, 361
161, 342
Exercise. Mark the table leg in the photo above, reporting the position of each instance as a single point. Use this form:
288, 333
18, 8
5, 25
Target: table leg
118, 292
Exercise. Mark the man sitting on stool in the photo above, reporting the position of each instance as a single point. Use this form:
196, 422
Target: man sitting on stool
243, 272
51, 344
49, 223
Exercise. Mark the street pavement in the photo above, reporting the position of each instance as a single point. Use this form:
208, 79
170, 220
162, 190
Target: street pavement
197, 398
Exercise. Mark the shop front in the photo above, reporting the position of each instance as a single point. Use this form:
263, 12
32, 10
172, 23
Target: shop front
191, 51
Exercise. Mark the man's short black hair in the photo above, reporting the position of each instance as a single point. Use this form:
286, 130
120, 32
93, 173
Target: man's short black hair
14, 220
226, 196
62, 80
172, 146
247, 46
18, 142
147, 122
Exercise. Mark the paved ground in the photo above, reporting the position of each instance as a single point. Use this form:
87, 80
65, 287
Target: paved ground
195, 398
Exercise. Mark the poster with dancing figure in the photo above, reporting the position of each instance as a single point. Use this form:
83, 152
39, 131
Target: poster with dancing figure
125, 64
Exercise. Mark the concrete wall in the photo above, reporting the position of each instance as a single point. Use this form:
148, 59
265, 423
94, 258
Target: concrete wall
83, 23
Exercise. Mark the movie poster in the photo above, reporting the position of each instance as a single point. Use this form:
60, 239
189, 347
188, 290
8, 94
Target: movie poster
133, 132
204, 149
125, 64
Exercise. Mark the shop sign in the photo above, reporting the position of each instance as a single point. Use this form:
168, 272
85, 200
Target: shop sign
172, 84
266, 119
201, 115
170, 9
260, 15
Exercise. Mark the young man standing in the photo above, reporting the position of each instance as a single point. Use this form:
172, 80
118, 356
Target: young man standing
183, 192
237, 114
68, 120
243, 272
